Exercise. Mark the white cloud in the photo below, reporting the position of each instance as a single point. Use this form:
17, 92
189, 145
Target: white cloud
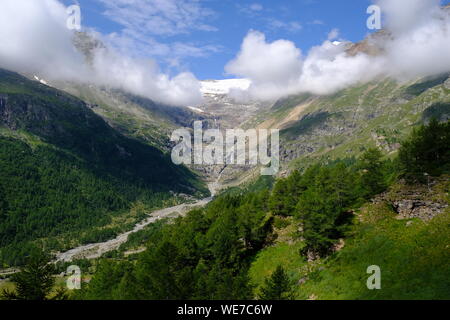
328, 68
317, 22
144, 22
159, 17
333, 34
421, 44
292, 26
418, 45
251, 10
34, 39
404, 15
272, 67
142, 77
139, 45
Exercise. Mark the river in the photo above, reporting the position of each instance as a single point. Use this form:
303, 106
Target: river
96, 250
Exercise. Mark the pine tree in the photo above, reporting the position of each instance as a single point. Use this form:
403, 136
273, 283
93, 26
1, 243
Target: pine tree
426, 151
277, 287
372, 179
278, 202
35, 281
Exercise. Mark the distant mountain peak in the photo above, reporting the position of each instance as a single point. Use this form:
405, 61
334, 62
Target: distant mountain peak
223, 87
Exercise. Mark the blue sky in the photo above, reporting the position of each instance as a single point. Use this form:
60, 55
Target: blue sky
203, 36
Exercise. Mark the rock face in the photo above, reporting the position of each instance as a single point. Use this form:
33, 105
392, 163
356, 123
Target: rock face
425, 210
221, 110
418, 201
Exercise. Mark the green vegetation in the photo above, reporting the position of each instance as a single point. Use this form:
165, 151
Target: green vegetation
323, 197
305, 125
426, 152
430, 82
133, 116
205, 255
440, 111
67, 177
66, 174
378, 114
278, 286
267, 260
413, 257
230, 250
35, 281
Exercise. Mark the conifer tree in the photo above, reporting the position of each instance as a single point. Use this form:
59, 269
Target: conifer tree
35, 281
277, 287
372, 178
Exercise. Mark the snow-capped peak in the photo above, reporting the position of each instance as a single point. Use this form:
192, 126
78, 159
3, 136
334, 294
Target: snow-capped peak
223, 86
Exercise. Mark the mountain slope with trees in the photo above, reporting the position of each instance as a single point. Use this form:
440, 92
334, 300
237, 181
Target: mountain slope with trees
318, 245
378, 114
65, 170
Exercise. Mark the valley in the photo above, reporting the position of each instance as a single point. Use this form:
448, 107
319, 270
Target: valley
112, 187
96, 250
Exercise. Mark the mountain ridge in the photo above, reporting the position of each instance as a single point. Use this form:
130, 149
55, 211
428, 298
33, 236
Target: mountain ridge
64, 168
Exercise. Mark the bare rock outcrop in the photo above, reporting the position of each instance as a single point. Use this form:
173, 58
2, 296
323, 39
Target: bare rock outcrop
417, 201
425, 210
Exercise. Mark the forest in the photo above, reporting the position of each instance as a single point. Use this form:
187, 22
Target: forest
64, 184
208, 253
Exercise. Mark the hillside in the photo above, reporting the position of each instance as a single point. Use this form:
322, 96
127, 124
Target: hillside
410, 249
345, 124
133, 116
65, 170
324, 227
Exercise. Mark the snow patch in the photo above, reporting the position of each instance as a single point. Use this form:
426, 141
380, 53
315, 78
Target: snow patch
223, 86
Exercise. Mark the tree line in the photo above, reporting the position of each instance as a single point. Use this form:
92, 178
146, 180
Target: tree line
208, 253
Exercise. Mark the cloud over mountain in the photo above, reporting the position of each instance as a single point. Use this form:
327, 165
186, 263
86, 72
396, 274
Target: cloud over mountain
272, 67
417, 43
34, 38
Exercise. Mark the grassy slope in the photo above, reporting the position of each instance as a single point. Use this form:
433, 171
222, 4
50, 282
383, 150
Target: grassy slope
62, 120
124, 115
133, 116
413, 256
344, 124
64, 166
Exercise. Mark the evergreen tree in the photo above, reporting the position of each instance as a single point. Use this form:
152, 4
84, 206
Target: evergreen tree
277, 287
35, 281
426, 151
278, 202
323, 209
318, 221
373, 175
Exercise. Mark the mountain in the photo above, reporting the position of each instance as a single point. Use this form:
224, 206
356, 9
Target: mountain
133, 116
323, 128
68, 175
221, 106
326, 229
345, 124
